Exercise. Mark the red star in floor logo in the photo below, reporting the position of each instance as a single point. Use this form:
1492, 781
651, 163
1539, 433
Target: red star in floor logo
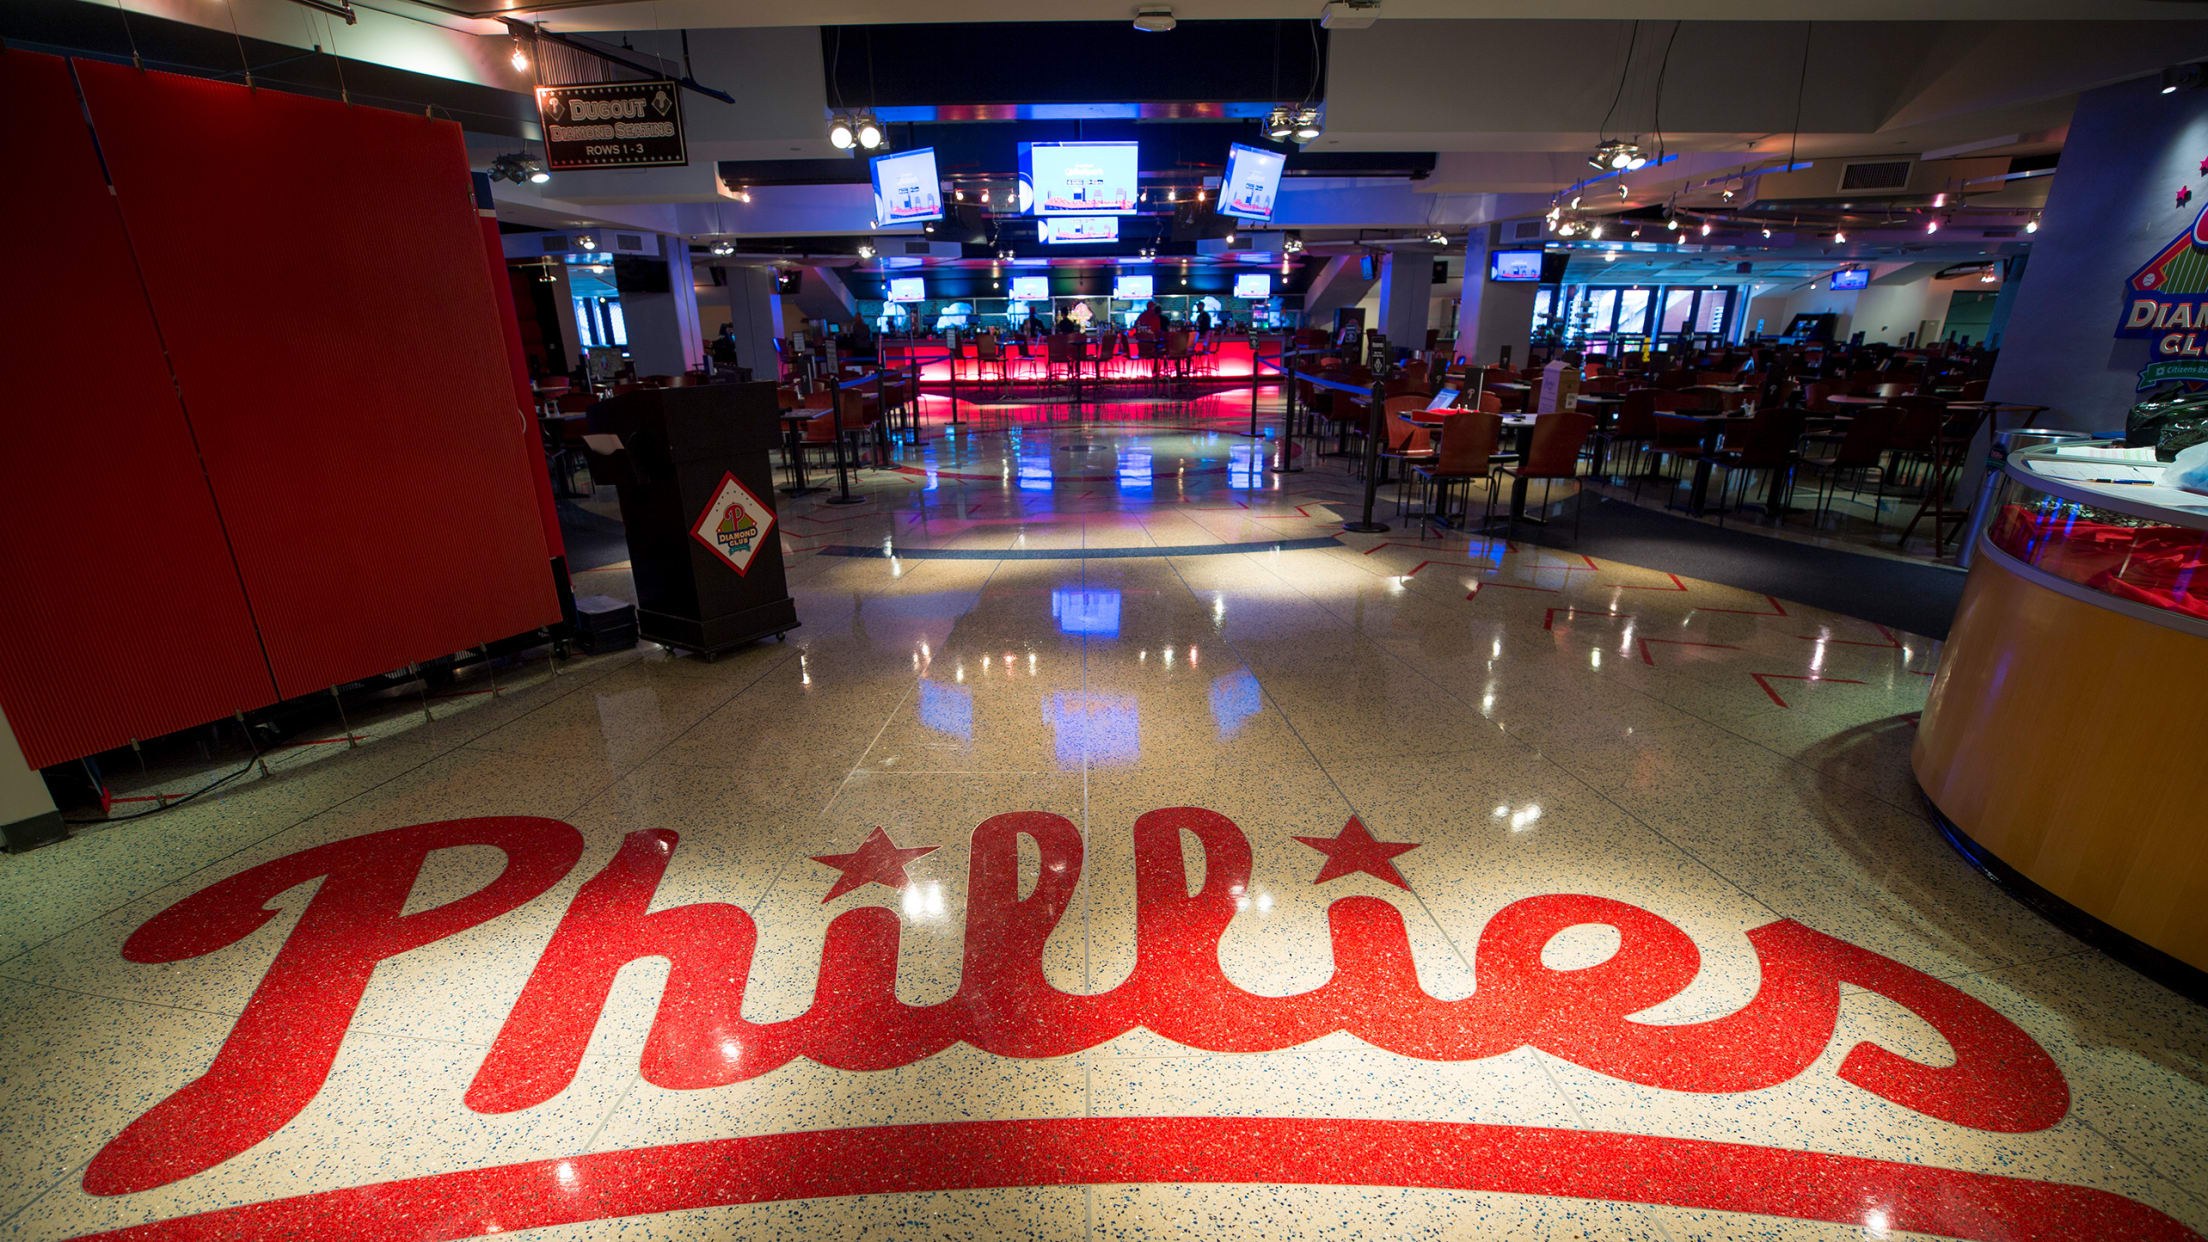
878, 860
1355, 850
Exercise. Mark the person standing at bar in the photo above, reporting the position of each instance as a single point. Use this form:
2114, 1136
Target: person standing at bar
1151, 322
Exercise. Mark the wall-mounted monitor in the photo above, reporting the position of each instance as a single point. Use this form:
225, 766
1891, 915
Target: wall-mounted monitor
1031, 288
1257, 285
1060, 230
1251, 182
906, 188
1133, 289
1079, 178
1852, 278
1368, 266
907, 289
1515, 265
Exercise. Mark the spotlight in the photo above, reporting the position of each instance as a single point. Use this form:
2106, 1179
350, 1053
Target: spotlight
518, 167
1635, 233
1293, 245
1307, 124
959, 196
1230, 239
865, 251
1621, 190
722, 249
1839, 238
1672, 223
1281, 125
869, 131
1988, 277
2186, 76
1616, 155
520, 57
1575, 202
1437, 238
840, 134
586, 242
2032, 225
1609, 256
1596, 231
1931, 226
1767, 232
1705, 228
1199, 196
985, 196
743, 196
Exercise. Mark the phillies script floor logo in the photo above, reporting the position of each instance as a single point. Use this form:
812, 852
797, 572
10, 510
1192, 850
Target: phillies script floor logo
282, 1047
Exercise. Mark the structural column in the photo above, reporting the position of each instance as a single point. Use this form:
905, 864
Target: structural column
660, 306
1406, 296
1492, 317
755, 318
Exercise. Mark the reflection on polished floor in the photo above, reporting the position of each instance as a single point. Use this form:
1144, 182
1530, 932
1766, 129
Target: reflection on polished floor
1117, 850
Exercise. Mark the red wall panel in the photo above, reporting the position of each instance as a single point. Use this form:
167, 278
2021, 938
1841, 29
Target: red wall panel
318, 273
127, 619
517, 362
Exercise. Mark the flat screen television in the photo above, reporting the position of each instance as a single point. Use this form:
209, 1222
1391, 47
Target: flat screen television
907, 289
1368, 266
1251, 182
1060, 230
906, 188
1133, 288
1253, 285
1079, 178
1031, 288
1852, 278
1515, 265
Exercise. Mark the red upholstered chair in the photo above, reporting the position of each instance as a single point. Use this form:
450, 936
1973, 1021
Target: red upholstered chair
1468, 443
1862, 449
1554, 454
1407, 444
1772, 441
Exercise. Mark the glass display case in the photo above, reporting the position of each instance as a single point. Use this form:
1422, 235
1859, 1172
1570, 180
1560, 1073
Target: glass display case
2104, 519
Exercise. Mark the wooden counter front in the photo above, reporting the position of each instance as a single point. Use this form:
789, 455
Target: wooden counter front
2070, 741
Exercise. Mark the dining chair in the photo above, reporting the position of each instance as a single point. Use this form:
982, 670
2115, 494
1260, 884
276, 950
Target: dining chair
1771, 441
1861, 449
1553, 455
1467, 452
1406, 445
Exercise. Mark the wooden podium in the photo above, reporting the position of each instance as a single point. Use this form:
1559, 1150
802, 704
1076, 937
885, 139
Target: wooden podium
696, 480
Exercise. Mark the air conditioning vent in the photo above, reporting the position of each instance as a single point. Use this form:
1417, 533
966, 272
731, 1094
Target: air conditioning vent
912, 248
555, 243
631, 243
1884, 175
1993, 233
1525, 230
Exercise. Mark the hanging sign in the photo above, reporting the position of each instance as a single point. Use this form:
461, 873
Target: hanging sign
2166, 302
612, 125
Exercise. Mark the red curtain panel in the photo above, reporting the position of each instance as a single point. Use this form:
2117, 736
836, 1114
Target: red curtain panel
318, 273
126, 617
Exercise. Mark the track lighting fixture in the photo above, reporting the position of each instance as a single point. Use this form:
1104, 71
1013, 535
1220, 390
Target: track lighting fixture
1705, 228
1767, 232
518, 167
856, 129
1617, 155
1839, 237
866, 251
1672, 223
520, 56
840, 134
1293, 245
2032, 225
1293, 124
1931, 226
585, 241
723, 248
1437, 238
1595, 231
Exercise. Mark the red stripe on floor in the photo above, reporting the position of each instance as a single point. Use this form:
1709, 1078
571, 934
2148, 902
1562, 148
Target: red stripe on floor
972, 1155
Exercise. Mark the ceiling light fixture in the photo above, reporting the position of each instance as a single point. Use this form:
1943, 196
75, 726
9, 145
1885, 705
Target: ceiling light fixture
1595, 231
520, 57
1839, 238
1705, 228
841, 136
1767, 232
865, 251
869, 132
1931, 226
1617, 155
2032, 225
723, 248
587, 242
518, 167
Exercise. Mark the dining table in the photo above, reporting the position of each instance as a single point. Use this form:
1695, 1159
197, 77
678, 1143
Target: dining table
1714, 427
794, 423
1521, 428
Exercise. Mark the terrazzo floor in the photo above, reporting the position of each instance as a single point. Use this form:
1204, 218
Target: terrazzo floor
1046, 884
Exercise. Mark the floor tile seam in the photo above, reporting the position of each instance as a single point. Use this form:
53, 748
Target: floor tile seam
590, 1142
890, 717
2147, 1165
1798, 761
72, 1172
1456, 949
356, 1028
242, 847
1568, 774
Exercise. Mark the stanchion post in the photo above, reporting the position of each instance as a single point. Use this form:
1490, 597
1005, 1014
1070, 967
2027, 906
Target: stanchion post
843, 494
1287, 371
1374, 426
1253, 386
954, 389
